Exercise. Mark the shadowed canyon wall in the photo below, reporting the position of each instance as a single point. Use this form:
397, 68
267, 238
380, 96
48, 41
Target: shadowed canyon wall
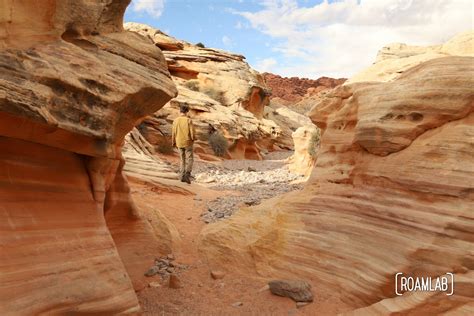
392, 191
73, 83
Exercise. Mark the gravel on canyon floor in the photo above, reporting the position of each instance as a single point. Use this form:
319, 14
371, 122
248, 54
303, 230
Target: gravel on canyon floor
253, 181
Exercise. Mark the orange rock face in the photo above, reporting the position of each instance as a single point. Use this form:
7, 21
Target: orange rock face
392, 191
72, 85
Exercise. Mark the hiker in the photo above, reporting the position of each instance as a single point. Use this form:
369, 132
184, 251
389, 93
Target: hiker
183, 138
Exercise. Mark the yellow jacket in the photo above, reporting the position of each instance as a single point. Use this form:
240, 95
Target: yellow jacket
183, 132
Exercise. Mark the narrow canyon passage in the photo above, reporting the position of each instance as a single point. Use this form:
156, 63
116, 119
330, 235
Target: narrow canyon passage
334, 186
240, 291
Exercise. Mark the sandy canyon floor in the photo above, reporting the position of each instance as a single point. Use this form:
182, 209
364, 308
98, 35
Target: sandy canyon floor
226, 186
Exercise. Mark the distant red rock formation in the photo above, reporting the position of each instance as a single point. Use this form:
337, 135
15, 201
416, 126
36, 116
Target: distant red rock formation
294, 89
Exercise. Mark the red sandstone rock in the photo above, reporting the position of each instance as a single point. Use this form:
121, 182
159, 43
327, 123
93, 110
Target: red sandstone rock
294, 89
72, 85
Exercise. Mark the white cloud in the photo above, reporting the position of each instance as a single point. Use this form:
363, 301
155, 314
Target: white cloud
241, 26
266, 65
227, 41
340, 38
153, 8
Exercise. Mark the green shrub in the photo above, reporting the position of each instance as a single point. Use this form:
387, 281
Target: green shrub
313, 145
214, 94
200, 45
192, 84
211, 92
218, 143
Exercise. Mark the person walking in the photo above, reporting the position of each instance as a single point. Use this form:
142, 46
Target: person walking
182, 137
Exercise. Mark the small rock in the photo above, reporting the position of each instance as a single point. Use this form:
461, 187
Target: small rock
152, 271
170, 270
182, 266
200, 285
266, 287
237, 304
154, 284
297, 290
251, 202
174, 282
217, 274
189, 218
164, 261
301, 304
170, 257
251, 169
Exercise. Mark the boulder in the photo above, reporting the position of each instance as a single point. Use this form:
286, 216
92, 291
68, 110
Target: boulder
297, 290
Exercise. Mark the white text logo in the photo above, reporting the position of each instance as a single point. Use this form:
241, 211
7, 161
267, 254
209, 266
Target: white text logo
443, 283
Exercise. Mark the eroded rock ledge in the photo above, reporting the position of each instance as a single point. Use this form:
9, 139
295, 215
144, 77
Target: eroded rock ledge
223, 93
72, 85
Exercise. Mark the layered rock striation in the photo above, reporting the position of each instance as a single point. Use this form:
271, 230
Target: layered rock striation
223, 93
392, 191
73, 83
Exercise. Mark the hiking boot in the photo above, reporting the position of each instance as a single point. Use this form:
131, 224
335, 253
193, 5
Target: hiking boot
187, 178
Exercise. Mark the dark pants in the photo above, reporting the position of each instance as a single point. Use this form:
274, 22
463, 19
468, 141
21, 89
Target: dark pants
187, 159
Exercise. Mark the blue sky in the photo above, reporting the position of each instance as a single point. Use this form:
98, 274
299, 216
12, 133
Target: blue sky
214, 24
306, 38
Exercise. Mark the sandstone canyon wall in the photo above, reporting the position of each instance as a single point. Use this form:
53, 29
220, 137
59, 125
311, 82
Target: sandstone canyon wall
73, 83
306, 139
223, 94
394, 59
392, 191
